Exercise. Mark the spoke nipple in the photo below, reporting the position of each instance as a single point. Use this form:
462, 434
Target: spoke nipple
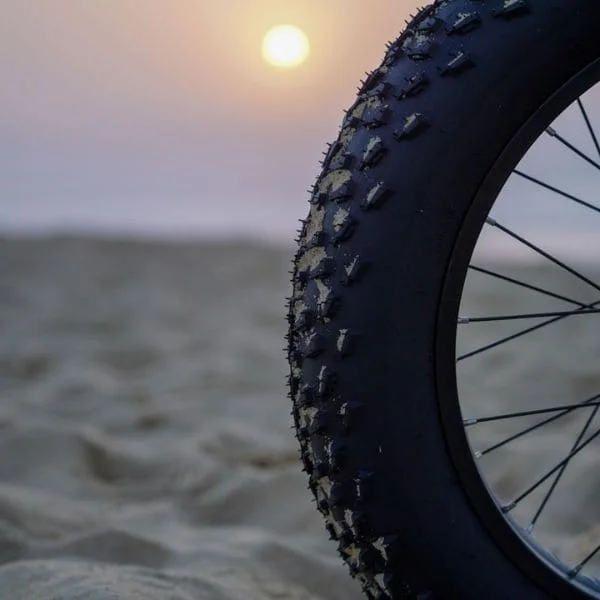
529, 529
471, 421
508, 507
491, 222
574, 572
478, 454
463, 320
551, 131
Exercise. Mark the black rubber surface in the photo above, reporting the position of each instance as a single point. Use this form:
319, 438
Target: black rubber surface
430, 132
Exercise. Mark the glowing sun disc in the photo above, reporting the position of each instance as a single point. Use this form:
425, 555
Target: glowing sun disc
285, 46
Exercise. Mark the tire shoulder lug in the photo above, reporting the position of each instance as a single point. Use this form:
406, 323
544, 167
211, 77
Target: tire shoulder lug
465, 23
345, 232
346, 342
460, 62
355, 270
414, 85
315, 346
414, 124
376, 197
511, 8
373, 153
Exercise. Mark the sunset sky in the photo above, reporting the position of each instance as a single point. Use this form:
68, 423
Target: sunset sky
162, 116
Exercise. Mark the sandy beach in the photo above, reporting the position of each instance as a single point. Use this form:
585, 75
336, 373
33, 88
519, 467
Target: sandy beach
145, 430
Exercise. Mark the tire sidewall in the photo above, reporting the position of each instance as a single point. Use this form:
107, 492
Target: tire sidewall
436, 180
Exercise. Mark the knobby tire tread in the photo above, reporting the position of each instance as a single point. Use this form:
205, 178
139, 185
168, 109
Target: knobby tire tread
391, 108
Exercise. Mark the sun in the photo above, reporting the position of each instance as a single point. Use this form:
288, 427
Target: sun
286, 46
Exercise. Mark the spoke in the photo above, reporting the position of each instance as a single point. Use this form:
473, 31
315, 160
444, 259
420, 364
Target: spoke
535, 497
528, 413
562, 470
553, 133
556, 190
517, 335
584, 562
494, 223
551, 472
526, 285
523, 432
563, 313
541, 252
589, 124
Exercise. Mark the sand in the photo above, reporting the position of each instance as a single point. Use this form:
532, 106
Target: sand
145, 430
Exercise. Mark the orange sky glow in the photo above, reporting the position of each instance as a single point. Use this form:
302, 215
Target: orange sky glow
112, 111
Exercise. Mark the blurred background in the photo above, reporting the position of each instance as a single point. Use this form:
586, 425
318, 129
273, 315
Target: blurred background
154, 157
163, 118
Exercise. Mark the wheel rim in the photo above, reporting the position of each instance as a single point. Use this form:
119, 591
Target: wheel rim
519, 516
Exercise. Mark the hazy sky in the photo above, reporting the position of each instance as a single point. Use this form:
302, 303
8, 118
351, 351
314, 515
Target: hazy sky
159, 115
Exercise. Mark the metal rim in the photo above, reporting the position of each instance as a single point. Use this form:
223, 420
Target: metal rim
539, 564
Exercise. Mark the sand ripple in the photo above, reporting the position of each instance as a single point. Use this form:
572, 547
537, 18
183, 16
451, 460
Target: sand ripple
144, 428
145, 431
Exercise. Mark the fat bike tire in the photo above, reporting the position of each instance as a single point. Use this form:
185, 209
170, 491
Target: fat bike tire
404, 190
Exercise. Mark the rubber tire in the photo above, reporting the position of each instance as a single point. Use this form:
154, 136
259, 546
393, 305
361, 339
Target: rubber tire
416, 148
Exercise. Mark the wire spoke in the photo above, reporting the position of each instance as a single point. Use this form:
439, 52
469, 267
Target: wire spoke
551, 472
563, 313
519, 334
494, 223
538, 425
553, 133
584, 562
541, 252
556, 190
528, 413
536, 493
525, 285
562, 470
589, 124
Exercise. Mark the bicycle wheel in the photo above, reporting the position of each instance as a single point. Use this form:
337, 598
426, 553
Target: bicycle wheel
383, 365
